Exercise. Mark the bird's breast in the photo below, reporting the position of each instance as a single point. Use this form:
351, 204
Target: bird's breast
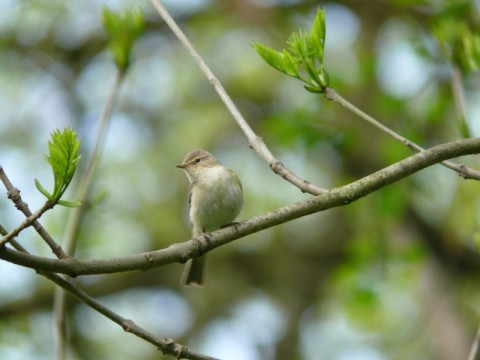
217, 199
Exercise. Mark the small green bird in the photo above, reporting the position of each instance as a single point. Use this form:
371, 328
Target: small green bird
215, 199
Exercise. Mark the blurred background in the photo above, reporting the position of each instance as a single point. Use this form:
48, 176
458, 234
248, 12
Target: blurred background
391, 276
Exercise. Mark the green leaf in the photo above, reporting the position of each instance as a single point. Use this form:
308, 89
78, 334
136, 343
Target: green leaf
42, 189
63, 158
303, 58
324, 77
317, 35
271, 57
459, 43
122, 30
313, 89
471, 55
290, 65
476, 241
299, 44
69, 203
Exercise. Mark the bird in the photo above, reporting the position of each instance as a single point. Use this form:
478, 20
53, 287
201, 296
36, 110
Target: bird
215, 200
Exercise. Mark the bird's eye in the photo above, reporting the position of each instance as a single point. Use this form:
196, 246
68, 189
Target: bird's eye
197, 160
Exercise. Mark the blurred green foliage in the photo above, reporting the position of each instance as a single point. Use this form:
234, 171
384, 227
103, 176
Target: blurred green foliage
123, 30
459, 34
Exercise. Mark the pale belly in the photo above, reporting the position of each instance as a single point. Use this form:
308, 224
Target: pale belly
219, 205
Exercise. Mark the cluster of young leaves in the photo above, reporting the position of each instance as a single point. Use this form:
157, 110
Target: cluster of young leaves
122, 30
459, 42
63, 158
303, 59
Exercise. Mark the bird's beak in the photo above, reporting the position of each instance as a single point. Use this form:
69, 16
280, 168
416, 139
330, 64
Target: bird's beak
182, 166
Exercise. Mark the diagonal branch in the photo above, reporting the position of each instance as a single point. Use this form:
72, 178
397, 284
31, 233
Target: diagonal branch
167, 346
86, 181
254, 141
464, 171
180, 252
32, 219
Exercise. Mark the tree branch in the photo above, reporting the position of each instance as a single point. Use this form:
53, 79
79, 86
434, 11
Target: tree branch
32, 219
78, 213
464, 171
254, 141
180, 252
85, 182
167, 346
459, 97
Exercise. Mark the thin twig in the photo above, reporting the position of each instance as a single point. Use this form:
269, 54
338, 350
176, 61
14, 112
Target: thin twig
14, 195
86, 181
59, 351
60, 323
32, 219
463, 171
459, 96
167, 346
254, 141
475, 346
181, 252
77, 214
